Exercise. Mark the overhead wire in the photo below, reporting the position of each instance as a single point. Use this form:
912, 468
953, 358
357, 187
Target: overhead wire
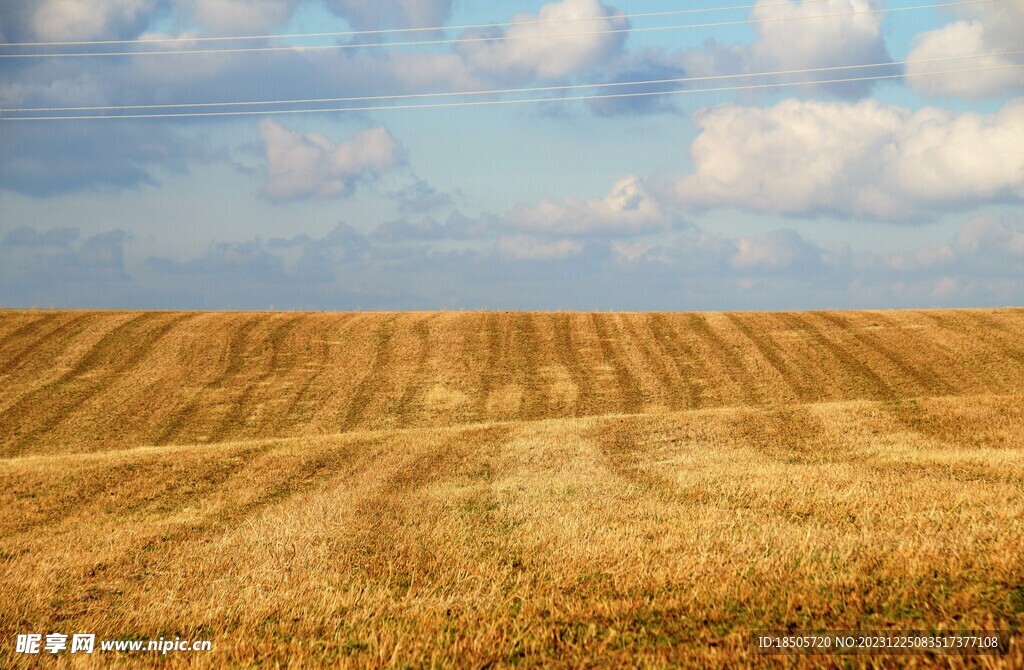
518, 101
499, 38
383, 31
505, 91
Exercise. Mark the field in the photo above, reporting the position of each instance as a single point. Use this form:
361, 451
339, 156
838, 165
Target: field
500, 489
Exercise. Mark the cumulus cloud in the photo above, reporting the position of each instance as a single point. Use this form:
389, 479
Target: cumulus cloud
864, 159
1000, 236
774, 252
627, 210
841, 40
786, 41
415, 267
989, 28
978, 267
69, 20
58, 158
531, 54
314, 166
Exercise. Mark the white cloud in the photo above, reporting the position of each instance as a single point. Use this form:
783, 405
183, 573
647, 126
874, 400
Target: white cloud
197, 78
346, 269
86, 19
690, 252
773, 252
992, 235
946, 287
527, 248
795, 41
628, 209
865, 159
990, 28
314, 166
533, 55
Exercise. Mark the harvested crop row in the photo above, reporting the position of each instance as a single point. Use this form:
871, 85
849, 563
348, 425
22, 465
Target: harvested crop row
80, 381
645, 539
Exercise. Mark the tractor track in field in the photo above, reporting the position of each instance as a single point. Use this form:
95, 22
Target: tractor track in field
409, 402
320, 364
104, 380
682, 356
655, 363
234, 364
989, 326
926, 383
772, 353
491, 337
33, 349
73, 390
24, 331
276, 339
374, 378
733, 364
526, 345
630, 391
567, 352
849, 362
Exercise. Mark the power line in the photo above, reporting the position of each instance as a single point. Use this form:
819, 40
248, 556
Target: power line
533, 89
519, 101
352, 33
501, 38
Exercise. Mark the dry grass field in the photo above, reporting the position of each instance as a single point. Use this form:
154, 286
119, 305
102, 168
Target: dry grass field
509, 489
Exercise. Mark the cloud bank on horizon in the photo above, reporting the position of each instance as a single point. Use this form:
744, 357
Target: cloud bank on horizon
907, 192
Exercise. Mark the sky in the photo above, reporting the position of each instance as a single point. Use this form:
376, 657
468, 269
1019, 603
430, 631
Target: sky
902, 192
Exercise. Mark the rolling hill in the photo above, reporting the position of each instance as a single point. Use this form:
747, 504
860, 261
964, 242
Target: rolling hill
508, 488
82, 381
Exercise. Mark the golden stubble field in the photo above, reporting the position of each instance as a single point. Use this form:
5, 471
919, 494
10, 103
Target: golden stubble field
509, 489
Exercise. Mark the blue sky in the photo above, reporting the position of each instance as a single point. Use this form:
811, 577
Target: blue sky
900, 193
